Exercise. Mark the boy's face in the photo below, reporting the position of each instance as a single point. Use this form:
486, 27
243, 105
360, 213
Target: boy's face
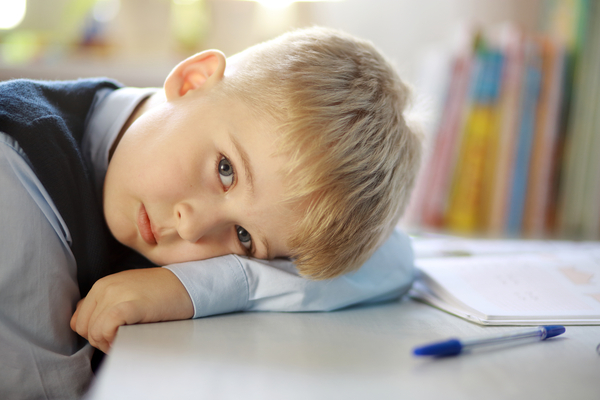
195, 178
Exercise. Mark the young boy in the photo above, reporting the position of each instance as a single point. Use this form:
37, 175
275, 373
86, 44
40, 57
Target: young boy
296, 148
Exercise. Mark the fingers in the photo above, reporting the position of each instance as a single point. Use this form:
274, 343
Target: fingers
87, 320
81, 318
93, 324
73, 322
102, 332
130, 297
98, 323
104, 324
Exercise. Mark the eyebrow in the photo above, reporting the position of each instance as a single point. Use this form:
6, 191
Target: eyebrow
249, 173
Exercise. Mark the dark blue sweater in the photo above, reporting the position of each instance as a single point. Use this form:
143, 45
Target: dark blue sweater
47, 119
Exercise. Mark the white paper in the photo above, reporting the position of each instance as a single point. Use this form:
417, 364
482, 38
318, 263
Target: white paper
562, 286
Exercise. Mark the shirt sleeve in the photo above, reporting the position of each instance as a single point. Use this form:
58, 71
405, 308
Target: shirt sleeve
233, 283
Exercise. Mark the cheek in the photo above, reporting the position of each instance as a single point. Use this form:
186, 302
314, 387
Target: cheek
121, 200
164, 184
149, 174
119, 215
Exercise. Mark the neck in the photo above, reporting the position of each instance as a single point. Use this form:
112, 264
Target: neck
144, 106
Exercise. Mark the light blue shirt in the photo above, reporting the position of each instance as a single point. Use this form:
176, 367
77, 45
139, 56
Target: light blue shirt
40, 356
229, 283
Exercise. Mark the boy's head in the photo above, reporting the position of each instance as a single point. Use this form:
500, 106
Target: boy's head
336, 159
352, 159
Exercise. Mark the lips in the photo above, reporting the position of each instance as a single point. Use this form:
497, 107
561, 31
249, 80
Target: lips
145, 226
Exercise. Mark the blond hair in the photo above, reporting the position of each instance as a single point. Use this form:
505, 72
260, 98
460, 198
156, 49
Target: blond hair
339, 107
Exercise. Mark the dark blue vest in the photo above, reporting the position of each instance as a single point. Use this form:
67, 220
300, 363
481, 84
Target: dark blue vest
47, 119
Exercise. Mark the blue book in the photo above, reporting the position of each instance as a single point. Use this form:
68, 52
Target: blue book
526, 129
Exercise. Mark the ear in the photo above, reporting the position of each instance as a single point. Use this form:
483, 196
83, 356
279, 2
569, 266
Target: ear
200, 70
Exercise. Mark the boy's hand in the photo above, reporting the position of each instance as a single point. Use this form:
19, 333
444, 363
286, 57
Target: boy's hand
130, 297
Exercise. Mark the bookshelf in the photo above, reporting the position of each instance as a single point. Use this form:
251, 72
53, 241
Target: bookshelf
516, 151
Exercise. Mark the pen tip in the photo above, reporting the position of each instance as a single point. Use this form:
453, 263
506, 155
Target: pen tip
448, 348
554, 330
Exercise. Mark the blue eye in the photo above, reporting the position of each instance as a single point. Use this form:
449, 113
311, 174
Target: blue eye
244, 237
226, 172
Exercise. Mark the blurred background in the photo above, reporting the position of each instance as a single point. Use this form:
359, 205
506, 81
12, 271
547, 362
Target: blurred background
507, 92
138, 41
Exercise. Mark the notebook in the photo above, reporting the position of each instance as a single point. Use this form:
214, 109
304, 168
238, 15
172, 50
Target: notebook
512, 282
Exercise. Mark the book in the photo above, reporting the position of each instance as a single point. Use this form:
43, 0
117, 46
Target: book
522, 163
463, 213
527, 124
511, 43
511, 282
439, 172
590, 215
577, 142
545, 138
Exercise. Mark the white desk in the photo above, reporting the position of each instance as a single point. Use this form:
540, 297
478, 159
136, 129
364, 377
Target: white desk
358, 353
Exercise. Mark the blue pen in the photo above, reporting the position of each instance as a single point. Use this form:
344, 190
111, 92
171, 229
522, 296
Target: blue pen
453, 347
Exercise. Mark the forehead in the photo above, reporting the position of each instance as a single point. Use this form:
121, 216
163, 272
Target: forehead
224, 105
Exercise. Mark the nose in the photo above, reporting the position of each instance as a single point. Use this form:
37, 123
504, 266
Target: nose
193, 225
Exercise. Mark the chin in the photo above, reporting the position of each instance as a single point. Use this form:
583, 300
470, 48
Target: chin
139, 248
159, 259
153, 258
162, 259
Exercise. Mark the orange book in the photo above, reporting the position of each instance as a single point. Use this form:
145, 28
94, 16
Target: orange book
544, 142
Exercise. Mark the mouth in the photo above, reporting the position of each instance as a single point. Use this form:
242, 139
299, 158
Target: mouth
145, 226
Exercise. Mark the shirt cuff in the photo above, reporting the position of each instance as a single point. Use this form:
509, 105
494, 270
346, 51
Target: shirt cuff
215, 286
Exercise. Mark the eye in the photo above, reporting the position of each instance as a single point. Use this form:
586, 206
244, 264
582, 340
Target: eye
226, 172
244, 237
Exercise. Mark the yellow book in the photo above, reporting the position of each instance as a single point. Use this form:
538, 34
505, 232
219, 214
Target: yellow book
464, 208
462, 212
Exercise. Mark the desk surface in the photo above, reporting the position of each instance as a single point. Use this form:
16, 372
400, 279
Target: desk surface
357, 353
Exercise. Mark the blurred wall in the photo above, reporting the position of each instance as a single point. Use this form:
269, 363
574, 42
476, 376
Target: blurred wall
405, 29
147, 37
402, 29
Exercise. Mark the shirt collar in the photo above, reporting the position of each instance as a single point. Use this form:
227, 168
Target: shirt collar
110, 111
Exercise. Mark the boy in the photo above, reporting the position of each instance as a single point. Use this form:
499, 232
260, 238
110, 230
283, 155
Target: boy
295, 148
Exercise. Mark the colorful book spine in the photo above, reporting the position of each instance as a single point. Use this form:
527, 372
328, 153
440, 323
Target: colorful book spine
464, 204
590, 204
542, 158
527, 124
518, 147
567, 21
511, 44
577, 141
439, 174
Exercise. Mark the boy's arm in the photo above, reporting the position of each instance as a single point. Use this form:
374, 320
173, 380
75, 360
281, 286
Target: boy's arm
233, 283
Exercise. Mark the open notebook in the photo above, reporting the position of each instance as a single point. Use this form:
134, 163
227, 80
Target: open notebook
511, 283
